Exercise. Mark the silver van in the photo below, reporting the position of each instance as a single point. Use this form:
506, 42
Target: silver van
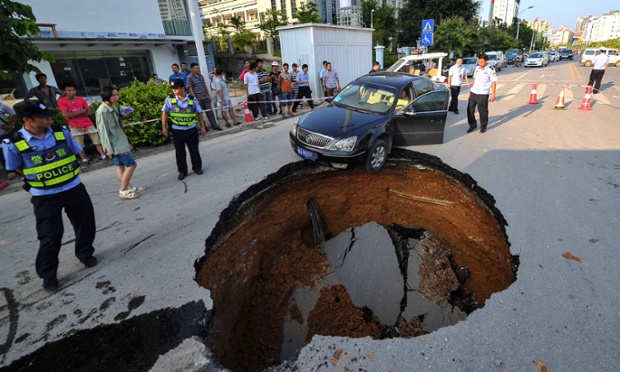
588, 54
497, 60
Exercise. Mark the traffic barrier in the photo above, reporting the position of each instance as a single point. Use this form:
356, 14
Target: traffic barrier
585, 104
248, 115
559, 103
533, 99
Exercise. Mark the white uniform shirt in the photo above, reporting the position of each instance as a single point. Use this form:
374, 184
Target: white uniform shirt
600, 61
483, 79
457, 74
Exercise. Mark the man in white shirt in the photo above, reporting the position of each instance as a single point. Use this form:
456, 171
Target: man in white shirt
253, 92
485, 81
456, 74
598, 70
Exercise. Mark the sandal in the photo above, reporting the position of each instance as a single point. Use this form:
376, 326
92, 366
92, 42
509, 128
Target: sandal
137, 190
127, 194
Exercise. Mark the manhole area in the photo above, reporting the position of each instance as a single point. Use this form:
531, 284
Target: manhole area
396, 254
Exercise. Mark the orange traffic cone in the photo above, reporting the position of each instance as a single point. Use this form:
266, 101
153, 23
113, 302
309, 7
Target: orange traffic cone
585, 104
533, 100
559, 104
248, 115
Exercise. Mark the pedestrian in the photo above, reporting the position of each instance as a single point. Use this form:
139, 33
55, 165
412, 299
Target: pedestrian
253, 92
599, 68
75, 109
303, 80
285, 82
275, 88
294, 72
156, 79
176, 74
198, 89
183, 111
323, 69
47, 93
485, 81
5, 125
456, 74
246, 68
375, 67
184, 68
265, 88
214, 101
115, 142
46, 156
221, 92
331, 82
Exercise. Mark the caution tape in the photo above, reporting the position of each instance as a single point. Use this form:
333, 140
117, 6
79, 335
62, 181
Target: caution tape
124, 125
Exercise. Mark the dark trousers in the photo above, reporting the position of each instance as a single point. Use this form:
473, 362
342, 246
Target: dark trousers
188, 137
255, 105
205, 104
48, 214
454, 103
596, 76
482, 101
301, 93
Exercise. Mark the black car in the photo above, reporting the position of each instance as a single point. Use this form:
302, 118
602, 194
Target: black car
566, 54
370, 116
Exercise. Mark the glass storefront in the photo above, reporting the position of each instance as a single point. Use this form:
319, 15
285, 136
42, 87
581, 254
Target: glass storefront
92, 70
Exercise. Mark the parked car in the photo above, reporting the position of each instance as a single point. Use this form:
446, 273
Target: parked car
497, 60
511, 54
553, 56
539, 59
416, 64
588, 54
470, 64
369, 117
566, 54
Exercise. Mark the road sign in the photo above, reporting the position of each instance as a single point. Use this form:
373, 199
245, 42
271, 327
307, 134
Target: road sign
426, 39
428, 25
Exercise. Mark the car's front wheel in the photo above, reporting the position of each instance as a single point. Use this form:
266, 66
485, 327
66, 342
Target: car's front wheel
377, 155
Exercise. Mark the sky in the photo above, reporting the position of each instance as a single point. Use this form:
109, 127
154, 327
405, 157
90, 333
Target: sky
559, 13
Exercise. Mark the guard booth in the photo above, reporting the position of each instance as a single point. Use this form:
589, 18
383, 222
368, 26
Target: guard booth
349, 49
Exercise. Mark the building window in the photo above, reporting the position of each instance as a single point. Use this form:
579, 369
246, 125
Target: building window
92, 70
175, 18
273, 4
283, 6
15, 86
293, 8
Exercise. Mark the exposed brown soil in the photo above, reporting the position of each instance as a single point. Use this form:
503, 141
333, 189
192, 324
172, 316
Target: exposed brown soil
262, 248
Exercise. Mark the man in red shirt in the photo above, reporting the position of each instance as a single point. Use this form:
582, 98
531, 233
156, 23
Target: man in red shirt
76, 111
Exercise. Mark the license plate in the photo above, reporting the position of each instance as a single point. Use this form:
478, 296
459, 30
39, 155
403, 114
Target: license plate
307, 154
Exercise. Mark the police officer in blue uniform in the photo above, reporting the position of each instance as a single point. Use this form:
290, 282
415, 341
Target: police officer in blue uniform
45, 155
183, 111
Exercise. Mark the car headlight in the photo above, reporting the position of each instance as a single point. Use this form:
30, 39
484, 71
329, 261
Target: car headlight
294, 130
301, 119
347, 144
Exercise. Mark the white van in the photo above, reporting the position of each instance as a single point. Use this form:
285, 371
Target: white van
588, 54
497, 60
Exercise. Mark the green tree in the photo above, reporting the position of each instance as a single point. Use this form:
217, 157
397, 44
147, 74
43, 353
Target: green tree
243, 38
383, 20
273, 18
414, 12
222, 35
455, 34
492, 38
16, 52
308, 13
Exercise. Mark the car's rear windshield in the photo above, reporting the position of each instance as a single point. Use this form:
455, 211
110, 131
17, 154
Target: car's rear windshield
512, 51
366, 97
470, 61
566, 51
535, 55
492, 57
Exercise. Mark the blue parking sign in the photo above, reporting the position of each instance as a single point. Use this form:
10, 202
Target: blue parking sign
426, 39
428, 25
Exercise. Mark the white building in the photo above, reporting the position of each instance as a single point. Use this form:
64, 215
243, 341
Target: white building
606, 27
505, 10
98, 43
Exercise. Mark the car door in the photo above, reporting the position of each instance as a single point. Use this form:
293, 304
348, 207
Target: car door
423, 121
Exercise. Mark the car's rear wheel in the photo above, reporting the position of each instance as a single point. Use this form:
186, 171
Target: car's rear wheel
588, 64
377, 155
617, 64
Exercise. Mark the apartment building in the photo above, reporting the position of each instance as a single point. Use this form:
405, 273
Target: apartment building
505, 10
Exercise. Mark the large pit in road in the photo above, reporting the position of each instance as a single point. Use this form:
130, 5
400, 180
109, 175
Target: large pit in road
312, 250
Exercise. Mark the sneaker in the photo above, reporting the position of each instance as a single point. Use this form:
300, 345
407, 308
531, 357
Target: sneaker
51, 284
3, 185
103, 157
137, 190
265, 117
127, 194
85, 160
11, 175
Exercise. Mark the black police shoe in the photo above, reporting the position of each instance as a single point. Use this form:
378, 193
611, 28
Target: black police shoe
51, 284
90, 261
199, 171
181, 176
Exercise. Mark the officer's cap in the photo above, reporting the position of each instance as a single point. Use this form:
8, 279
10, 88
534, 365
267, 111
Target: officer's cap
177, 83
33, 108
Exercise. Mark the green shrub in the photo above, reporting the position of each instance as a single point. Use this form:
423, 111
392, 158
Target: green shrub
147, 101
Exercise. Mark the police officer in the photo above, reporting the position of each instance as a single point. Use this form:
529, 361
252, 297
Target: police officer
46, 156
485, 80
182, 109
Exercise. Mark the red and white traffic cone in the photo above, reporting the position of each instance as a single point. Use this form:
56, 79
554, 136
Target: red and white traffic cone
533, 100
559, 103
248, 115
585, 104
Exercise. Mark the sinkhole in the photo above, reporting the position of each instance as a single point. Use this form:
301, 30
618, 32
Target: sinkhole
311, 250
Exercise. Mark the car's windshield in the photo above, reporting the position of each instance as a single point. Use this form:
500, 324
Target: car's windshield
535, 55
492, 57
470, 61
366, 97
512, 51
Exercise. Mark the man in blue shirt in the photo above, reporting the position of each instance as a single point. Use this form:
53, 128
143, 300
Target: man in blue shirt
46, 156
303, 81
177, 75
183, 111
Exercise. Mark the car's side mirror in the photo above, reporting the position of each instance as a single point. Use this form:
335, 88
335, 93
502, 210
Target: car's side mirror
409, 111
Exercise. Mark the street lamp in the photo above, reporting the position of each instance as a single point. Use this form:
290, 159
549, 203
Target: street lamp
519, 21
391, 44
372, 13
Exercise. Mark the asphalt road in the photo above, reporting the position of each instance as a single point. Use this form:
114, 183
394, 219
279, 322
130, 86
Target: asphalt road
555, 175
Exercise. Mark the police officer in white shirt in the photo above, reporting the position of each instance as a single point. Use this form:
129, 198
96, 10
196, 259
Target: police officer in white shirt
456, 74
598, 70
485, 80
